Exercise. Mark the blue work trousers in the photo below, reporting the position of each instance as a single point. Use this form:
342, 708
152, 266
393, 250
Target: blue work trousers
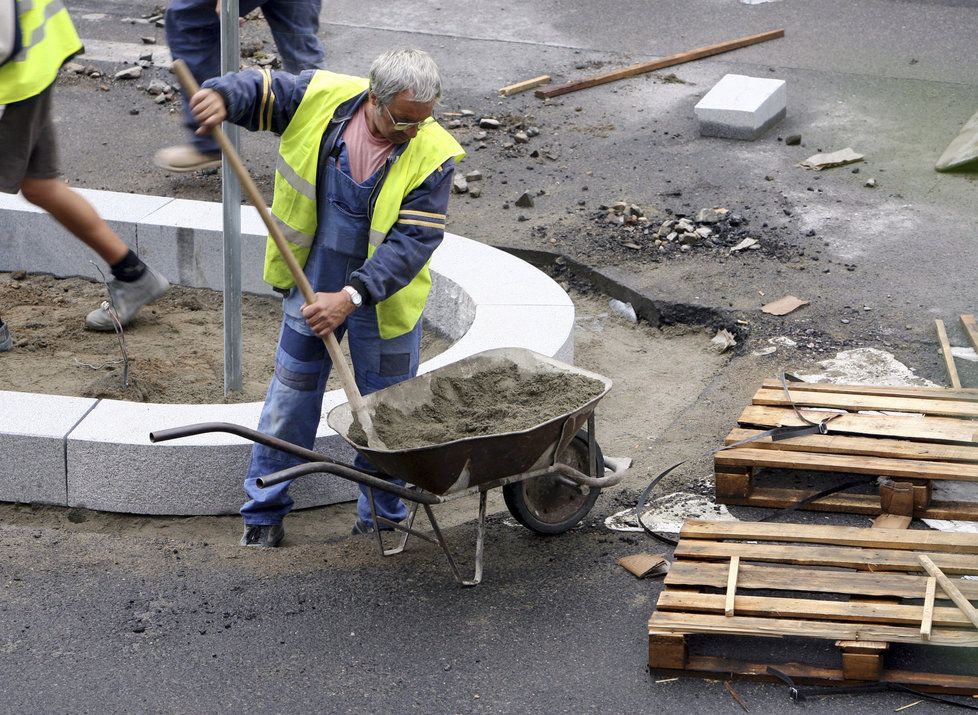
193, 32
293, 406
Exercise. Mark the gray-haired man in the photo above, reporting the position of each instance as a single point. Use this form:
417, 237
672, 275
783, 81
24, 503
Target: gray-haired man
361, 189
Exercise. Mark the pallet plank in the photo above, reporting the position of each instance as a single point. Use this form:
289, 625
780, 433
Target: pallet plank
686, 573
807, 608
876, 466
937, 393
840, 535
844, 401
859, 446
863, 559
779, 627
934, 429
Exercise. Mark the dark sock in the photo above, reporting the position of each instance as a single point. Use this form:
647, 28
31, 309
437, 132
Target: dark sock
129, 268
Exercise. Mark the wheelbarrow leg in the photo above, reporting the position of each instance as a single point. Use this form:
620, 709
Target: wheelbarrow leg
479, 543
379, 520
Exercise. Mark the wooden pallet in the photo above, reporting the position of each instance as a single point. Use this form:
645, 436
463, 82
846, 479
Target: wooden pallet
934, 437
862, 590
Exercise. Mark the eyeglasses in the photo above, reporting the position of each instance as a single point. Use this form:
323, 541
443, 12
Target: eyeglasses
404, 126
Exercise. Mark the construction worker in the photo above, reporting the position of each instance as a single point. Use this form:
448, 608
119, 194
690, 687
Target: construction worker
193, 33
361, 191
29, 160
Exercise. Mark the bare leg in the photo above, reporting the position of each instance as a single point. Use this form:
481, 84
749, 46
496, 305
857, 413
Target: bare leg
77, 215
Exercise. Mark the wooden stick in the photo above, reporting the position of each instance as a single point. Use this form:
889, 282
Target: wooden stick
669, 61
946, 353
347, 379
927, 620
971, 328
950, 589
524, 85
728, 606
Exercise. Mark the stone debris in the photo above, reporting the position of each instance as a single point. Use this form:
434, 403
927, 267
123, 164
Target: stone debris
870, 183
793, 140
158, 86
475, 191
474, 175
459, 184
747, 243
129, 73
723, 341
74, 68
525, 200
521, 138
623, 310
489, 123
148, 40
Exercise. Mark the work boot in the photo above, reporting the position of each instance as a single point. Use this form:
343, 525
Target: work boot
185, 157
360, 528
127, 299
264, 536
5, 341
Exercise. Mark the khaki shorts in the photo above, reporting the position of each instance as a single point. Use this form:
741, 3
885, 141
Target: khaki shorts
27, 143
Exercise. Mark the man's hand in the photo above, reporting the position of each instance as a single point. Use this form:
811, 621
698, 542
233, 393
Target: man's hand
207, 106
328, 312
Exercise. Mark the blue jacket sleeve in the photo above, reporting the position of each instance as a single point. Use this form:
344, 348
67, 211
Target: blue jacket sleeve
259, 99
419, 230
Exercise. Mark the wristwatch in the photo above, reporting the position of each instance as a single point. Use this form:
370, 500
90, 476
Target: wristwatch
355, 296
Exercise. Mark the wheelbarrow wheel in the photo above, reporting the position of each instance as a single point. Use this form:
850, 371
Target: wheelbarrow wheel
548, 505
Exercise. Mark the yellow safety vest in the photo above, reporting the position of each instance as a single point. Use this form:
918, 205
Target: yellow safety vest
49, 39
294, 203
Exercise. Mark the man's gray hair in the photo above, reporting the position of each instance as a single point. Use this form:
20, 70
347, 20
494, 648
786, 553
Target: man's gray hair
402, 70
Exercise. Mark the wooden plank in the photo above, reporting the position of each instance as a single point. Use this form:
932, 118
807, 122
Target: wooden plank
945, 541
685, 573
971, 328
896, 614
862, 559
667, 650
523, 86
859, 446
843, 401
776, 498
804, 674
876, 466
937, 393
932, 429
927, 618
945, 346
950, 588
780, 627
643, 67
728, 606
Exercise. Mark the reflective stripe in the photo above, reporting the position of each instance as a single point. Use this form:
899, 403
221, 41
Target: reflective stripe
422, 214
50, 10
294, 180
265, 81
376, 237
429, 224
297, 238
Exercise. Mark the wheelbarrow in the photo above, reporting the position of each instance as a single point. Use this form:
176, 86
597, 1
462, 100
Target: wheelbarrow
550, 473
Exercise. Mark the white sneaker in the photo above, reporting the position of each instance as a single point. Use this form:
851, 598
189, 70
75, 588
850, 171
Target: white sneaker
185, 157
128, 298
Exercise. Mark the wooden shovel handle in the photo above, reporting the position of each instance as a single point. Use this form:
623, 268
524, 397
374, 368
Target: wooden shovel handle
254, 195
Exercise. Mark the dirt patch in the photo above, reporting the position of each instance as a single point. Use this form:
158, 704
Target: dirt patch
492, 401
175, 347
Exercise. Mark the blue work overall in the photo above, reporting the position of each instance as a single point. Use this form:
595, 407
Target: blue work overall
294, 402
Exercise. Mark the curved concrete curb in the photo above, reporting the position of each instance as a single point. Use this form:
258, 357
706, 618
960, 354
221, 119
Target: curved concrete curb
97, 454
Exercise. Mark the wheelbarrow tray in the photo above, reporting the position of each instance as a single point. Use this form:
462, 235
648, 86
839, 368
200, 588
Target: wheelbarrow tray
473, 461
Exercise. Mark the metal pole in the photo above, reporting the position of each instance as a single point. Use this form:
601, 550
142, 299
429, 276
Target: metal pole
231, 197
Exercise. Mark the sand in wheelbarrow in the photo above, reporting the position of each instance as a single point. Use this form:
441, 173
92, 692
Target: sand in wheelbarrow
493, 401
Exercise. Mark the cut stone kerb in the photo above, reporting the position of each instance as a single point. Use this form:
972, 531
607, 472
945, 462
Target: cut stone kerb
741, 107
97, 454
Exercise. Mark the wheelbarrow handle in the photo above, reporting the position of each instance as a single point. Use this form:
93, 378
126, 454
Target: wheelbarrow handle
341, 470
254, 435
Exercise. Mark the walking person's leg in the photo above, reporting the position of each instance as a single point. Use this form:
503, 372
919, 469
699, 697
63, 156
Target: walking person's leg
295, 27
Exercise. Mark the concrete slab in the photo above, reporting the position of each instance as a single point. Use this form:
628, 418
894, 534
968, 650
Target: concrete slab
963, 149
741, 107
33, 429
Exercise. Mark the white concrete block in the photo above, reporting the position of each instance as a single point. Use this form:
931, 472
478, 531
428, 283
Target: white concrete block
741, 107
33, 428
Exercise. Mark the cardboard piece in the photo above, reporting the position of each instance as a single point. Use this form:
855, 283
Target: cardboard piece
642, 565
783, 306
827, 161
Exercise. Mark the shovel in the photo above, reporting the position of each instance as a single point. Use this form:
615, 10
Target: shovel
332, 346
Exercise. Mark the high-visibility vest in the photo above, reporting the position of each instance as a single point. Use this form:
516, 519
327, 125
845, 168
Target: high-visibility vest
49, 39
294, 203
